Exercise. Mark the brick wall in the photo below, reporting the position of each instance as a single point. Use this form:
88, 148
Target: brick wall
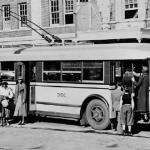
83, 19
15, 31
148, 13
45, 13
95, 21
112, 10
61, 30
58, 29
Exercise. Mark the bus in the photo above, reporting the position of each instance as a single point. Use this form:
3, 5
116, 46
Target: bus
73, 82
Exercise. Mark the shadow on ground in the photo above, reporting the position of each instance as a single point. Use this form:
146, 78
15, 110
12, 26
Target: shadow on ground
137, 128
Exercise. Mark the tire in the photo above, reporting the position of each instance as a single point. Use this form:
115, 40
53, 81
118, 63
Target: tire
97, 114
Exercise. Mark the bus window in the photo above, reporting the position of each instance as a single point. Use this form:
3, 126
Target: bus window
51, 71
71, 71
93, 71
7, 71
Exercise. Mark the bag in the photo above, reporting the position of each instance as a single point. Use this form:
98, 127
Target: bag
11, 104
5, 103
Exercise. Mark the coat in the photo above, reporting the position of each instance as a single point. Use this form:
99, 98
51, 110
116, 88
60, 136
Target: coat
142, 95
115, 96
20, 99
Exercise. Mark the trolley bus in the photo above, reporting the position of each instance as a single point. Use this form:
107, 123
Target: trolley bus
73, 82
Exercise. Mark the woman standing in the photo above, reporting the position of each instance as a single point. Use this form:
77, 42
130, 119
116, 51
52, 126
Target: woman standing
20, 99
7, 94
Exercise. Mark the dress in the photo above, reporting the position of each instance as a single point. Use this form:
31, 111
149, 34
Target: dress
142, 97
20, 98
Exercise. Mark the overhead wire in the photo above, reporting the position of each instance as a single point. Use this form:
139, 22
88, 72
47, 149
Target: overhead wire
45, 37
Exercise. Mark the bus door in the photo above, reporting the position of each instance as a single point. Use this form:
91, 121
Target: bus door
124, 72
22, 70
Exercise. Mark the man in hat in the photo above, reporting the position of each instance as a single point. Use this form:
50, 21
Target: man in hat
1, 98
143, 88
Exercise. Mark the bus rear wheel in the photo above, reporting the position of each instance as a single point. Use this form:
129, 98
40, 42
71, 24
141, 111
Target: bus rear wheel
97, 114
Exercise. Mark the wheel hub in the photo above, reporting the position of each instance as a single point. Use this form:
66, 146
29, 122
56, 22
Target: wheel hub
97, 114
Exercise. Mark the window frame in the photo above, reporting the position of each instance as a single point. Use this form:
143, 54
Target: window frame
128, 3
55, 71
56, 12
68, 10
25, 14
8, 17
84, 1
71, 71
61, 73
94, 81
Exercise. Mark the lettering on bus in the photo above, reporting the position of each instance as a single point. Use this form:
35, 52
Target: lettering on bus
61, 94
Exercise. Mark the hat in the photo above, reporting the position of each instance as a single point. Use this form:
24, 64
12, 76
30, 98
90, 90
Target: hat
5, 83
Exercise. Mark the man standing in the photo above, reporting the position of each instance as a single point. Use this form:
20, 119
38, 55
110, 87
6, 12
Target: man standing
142, 86
1, 98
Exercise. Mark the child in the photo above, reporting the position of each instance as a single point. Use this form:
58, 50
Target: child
126, 114
115, 96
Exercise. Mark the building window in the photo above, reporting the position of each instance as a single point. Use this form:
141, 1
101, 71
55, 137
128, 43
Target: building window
68, 11
54, 12
131, 9
23, 14
6, 17
83, 0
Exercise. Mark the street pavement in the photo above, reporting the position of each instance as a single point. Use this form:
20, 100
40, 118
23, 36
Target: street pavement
73, 126
58, 134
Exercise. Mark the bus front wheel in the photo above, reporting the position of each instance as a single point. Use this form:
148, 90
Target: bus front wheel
97, 114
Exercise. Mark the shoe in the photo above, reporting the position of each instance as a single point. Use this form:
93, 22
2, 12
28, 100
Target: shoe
7, 124
130, 134
22, 123
19, 123
124, 133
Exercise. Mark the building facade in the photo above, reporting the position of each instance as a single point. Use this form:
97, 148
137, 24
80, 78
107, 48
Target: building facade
21, 20
69, 18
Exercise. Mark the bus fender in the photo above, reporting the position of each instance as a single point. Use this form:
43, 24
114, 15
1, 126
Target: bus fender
90, 98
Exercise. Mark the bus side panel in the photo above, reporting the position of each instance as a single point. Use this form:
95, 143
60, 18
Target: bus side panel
68, 98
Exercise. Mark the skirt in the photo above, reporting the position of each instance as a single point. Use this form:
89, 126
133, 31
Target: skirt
20, 109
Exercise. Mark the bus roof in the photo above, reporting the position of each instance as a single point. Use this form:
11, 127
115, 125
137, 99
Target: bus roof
119, 51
